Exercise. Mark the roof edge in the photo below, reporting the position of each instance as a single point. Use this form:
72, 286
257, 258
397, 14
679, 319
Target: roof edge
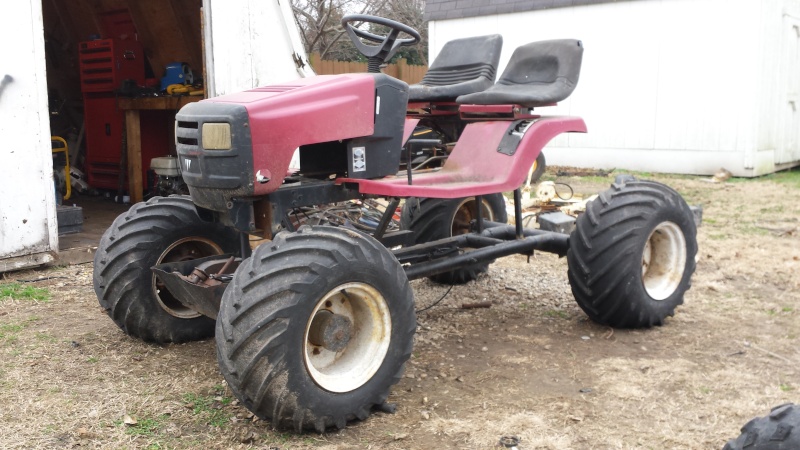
460, 9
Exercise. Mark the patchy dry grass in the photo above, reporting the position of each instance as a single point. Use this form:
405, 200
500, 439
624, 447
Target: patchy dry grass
531, 366
17, 291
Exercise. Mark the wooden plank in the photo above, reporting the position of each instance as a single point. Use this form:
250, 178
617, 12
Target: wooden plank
402, 70
25, 261
167, 103
133, 128
392, 70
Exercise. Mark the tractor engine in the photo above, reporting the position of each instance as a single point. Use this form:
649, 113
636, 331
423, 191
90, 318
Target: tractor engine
168, 177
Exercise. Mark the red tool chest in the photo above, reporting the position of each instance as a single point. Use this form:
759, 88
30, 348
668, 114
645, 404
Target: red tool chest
103, 123
104, 63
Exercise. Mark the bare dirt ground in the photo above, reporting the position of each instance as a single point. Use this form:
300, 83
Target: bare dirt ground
531, 366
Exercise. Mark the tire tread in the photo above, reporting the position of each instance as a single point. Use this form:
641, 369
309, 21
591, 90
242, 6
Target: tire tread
269, 287
780, 429
122, 271
602, 255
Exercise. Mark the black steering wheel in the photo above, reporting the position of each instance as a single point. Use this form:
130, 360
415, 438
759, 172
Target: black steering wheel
387, 45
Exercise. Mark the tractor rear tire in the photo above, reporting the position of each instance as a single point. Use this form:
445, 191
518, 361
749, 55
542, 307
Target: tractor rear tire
315, 328
632, 254
434, 218
165, 229
779, 430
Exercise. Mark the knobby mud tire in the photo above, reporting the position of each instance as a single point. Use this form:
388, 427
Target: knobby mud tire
777, 431
635, 233
136, 241
263, 338
434, 218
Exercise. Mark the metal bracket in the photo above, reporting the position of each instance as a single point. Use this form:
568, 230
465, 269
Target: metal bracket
514, 134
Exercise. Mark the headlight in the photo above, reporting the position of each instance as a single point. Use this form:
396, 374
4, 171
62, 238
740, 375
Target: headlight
216, 136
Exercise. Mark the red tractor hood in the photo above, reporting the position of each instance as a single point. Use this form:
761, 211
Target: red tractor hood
306, 111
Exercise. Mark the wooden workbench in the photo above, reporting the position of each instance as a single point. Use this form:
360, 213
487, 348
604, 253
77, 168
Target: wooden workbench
132, 106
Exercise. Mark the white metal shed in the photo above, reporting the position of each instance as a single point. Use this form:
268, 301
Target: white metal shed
680, 86
247, 43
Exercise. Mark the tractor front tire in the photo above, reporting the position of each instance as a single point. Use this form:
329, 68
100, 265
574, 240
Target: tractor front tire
632, 254
779, 430
432, 219
315, 328
165, 229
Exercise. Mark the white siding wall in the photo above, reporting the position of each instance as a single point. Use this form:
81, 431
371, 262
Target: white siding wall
684, 86
28, 228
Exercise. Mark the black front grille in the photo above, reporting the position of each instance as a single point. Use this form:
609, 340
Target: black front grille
215, 177
187, 133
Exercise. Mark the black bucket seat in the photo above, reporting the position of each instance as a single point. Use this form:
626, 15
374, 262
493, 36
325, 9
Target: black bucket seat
538, 74
464, 66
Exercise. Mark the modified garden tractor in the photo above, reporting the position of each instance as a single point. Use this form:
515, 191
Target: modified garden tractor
314, 326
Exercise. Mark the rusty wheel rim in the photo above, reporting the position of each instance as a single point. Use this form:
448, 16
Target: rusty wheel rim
182, 250
465, 214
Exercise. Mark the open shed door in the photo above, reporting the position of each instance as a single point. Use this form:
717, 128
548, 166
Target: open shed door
251, 43
28, 228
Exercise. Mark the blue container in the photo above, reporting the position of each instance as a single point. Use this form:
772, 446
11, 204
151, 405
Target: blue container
177, 73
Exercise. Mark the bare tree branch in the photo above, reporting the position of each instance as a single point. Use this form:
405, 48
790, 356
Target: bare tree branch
318, 21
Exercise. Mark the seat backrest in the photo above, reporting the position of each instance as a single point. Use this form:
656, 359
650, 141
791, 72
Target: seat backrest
537, 74
463, 60
545, 62
464, 66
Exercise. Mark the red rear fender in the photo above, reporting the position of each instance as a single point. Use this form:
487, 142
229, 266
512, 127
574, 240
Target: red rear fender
476, 167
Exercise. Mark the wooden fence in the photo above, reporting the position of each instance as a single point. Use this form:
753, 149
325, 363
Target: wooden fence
402, 70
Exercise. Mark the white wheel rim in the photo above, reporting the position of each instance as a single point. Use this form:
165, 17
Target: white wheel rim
351, 367
663, 260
